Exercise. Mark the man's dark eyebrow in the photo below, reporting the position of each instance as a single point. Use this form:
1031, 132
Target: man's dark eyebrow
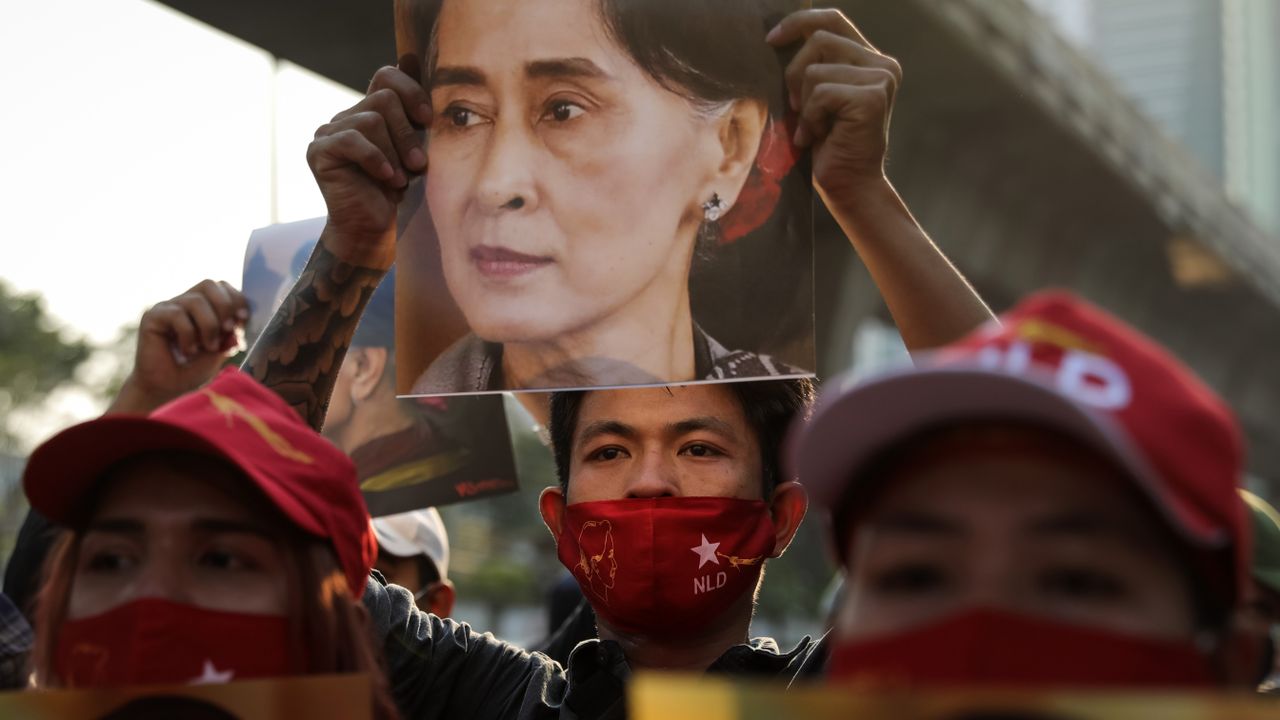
455, 76
605, 427
116, 526
1077, 523
126, 526
914, 523
219, 525
565, 68
705, 424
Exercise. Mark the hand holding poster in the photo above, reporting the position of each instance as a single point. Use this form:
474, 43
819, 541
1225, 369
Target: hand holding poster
409, 454
612, 198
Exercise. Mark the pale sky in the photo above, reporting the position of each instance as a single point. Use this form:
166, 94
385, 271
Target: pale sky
1074, 18
138, 153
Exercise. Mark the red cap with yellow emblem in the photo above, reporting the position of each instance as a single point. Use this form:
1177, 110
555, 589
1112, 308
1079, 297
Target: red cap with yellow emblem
1058, 362
312, 482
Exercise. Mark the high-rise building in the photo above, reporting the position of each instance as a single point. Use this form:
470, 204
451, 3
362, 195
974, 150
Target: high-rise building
1251, 70
1165, 54
1207, 70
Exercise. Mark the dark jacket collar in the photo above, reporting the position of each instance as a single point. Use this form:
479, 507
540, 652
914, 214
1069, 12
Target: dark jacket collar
598, 672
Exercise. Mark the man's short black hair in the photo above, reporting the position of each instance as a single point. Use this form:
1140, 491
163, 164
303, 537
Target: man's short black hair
771, 406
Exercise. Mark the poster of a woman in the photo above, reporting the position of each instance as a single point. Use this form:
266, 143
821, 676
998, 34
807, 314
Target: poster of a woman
612, 198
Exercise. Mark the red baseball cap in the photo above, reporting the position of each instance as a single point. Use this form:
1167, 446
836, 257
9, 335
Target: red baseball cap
234, 418
1058, 362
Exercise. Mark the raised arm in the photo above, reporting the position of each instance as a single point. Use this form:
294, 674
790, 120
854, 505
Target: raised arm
844, 89
300, 351
182, 342
362, 161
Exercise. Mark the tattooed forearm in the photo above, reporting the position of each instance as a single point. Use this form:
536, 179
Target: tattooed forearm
301, 350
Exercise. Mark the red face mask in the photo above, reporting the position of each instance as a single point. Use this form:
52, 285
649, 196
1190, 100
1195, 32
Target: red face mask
665, 566
157, 642
992, 648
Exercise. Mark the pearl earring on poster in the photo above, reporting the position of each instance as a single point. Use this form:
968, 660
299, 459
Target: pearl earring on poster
715, 208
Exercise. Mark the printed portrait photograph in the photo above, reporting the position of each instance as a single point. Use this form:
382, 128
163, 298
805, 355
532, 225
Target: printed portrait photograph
613, 198
409, 453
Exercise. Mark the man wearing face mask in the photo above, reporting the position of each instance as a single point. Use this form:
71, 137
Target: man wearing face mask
670, 502
413, 552
1050, 502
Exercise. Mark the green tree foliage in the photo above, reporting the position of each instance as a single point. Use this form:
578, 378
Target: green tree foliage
502, 554
35, 357
794, 583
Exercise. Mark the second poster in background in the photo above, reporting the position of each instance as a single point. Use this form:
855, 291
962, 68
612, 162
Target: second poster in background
612, 198
409, 454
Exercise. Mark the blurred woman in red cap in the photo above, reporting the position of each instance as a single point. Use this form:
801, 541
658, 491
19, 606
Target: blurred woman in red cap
216, 539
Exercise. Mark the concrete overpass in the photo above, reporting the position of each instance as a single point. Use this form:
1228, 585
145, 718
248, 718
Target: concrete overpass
1028, 166
1019, 156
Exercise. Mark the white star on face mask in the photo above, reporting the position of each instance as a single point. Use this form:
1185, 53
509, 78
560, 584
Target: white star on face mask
706, 552
210, 675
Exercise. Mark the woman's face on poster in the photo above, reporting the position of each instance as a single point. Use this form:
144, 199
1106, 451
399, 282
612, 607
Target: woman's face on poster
565, 183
